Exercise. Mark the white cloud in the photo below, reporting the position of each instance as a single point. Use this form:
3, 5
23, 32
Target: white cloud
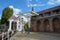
58, 1
11, 6
52, 2
38, 3
30, 0
37, 0
0, 17
15, 10
30, 5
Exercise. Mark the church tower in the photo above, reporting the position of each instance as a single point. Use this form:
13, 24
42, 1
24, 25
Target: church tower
32, 8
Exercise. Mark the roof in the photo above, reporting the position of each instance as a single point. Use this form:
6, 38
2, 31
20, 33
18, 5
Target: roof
50, 9
13, 17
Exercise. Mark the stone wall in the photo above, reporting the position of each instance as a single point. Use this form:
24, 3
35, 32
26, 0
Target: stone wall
47, 23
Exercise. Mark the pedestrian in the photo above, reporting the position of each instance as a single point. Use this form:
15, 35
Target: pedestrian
28, 30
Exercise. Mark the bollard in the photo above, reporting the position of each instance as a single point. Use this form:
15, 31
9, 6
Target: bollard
8, 35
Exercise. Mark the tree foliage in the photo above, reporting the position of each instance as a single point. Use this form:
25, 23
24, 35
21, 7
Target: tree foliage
26, 26
6, 14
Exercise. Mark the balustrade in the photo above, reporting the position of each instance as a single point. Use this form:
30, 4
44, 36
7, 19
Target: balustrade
7, 35
49, 15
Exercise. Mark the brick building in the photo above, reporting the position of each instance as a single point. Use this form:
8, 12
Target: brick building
47, 20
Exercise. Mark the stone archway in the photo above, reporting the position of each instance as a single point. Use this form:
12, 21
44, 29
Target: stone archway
56, 24
38, 25
46, 25
14, 26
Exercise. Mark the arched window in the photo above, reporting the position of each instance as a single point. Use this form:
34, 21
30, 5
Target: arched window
14, 25
38, 25
56, 24
46, 25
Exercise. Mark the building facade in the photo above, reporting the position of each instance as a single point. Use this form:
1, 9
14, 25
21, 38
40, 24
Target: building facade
47, 20
16, 23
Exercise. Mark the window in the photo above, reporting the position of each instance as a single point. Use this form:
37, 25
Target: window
41, 15
47, 13
57, 11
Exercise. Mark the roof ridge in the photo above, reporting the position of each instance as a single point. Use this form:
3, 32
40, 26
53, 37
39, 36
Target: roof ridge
50, 9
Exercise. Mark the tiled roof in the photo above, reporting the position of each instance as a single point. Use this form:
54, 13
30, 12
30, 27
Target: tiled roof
50, 9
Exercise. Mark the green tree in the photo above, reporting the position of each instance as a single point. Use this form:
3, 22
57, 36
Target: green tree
6, 14
26, 26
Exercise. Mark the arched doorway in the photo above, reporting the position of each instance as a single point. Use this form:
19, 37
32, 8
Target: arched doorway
14, 26
38, 25
56, 25
46, 25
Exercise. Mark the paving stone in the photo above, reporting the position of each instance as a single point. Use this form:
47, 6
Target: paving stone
36, 36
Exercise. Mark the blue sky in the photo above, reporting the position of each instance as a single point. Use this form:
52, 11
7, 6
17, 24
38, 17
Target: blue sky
25, 5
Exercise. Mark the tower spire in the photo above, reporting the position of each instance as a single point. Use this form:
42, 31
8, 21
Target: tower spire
32, 8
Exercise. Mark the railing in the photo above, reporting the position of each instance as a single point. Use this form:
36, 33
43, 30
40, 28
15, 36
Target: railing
48, 15
7, 35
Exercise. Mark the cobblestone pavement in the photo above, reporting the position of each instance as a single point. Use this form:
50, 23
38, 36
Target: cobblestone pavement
36, 36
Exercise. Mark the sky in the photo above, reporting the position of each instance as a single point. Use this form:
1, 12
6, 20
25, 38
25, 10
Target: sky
26, 5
